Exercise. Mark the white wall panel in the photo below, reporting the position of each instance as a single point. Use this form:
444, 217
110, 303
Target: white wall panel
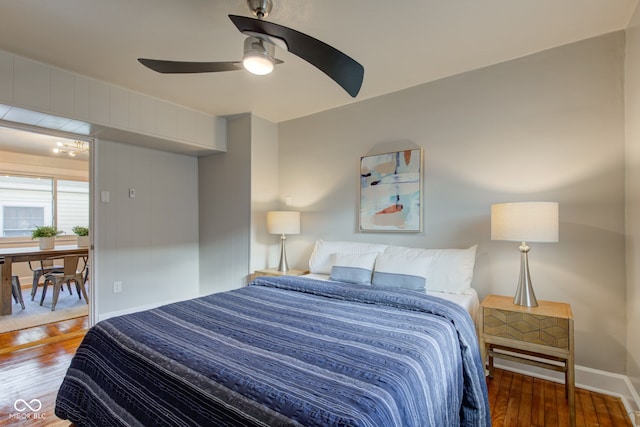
150, 242
224, 181
119, 107
6, 78
135, 111
31, 84
167, 120
81, 97
186, 125
62, 93
109, 110
99, 103
264, 193
149, 115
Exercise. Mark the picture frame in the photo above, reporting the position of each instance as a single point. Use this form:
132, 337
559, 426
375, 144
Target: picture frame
391, 192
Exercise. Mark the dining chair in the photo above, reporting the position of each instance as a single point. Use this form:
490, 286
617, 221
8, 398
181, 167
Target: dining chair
57, 280
16, 290
86, 268
45, 266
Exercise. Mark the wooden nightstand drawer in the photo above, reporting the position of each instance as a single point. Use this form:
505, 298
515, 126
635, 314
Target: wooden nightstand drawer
525, 327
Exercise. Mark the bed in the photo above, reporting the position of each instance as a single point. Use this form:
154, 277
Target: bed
283, 351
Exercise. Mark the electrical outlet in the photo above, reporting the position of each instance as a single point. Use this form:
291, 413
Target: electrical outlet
117, 287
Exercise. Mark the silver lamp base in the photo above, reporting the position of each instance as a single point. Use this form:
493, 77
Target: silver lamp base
524, 294
283, 267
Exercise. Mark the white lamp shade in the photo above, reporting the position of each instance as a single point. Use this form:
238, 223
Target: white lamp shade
525, 222
283, 222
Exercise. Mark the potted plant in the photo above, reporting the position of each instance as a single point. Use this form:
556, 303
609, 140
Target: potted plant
46, 235
83, 235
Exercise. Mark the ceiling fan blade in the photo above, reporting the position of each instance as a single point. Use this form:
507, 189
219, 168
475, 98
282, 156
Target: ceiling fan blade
168, 67
175, 67
343, 69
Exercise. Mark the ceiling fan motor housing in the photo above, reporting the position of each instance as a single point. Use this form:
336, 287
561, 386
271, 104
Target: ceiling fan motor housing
258, 56
260, 8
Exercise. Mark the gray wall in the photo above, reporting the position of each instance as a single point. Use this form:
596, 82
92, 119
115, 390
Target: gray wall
149, 242
632, 92
264, 192
225, 211
548, 127
237, 188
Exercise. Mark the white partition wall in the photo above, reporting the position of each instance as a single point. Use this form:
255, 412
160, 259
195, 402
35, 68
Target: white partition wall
96, 107
148, 243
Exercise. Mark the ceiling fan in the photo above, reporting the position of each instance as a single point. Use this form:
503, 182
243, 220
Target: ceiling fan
259, 50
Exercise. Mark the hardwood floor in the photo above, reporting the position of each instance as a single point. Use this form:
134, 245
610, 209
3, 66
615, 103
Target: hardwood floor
35, 372
32, 364
519, 400
12, 341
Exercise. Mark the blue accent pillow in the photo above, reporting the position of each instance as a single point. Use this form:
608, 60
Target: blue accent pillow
395, 280
360, 276
352, 268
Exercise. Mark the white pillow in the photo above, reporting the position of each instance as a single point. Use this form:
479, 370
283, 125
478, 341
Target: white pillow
353, 268
401, 271
320, 261
450, 270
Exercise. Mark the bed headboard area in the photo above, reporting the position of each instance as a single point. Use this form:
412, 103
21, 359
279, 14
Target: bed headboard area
438, 270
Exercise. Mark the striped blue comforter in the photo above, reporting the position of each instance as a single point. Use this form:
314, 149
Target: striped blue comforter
283, 351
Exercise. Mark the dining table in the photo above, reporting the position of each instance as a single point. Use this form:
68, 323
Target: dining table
9, 256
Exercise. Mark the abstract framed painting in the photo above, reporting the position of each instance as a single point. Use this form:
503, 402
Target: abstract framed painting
391, 191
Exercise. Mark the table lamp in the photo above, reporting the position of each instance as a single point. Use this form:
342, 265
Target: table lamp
283, 223
525, 222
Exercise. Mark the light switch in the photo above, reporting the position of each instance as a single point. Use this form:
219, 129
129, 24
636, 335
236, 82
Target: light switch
104, 197
132, 193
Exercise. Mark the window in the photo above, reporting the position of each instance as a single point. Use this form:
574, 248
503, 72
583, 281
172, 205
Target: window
73, 204
19, 220
28, 202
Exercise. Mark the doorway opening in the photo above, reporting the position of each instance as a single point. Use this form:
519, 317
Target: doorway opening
44, 182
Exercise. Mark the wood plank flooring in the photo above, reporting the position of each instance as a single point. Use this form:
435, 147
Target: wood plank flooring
519, 400
31, 370
32, 365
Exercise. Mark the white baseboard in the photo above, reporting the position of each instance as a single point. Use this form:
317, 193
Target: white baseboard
590, 379
104, 316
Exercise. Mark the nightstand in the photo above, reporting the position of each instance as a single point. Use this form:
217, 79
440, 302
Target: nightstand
540, 336
274, 272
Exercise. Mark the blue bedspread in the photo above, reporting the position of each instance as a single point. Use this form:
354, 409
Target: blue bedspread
282, 351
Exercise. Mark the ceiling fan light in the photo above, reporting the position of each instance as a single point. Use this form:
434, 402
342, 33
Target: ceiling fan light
258, 56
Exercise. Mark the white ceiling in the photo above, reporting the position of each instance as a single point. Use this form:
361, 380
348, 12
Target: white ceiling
400, 43
40, 144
